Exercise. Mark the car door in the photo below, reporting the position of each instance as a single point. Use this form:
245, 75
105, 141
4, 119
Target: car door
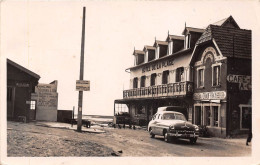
160, 125
156, 127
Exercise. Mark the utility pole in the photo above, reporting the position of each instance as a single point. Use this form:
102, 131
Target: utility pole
79, 118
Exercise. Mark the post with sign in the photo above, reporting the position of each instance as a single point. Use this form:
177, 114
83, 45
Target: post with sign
79, 118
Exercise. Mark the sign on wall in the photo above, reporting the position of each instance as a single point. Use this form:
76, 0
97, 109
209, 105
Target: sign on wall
47, 100
82, 85
46, 88
158, 65
243, 81
217, 95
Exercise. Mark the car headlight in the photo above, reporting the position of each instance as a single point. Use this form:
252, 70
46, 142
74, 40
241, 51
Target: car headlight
196, 128
172, 127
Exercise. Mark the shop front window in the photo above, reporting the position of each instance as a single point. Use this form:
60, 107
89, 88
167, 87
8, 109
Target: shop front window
246, 117
207, 115
215, 114
140, 109
198, 115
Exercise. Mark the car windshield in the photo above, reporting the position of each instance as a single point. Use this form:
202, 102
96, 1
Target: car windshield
173, 116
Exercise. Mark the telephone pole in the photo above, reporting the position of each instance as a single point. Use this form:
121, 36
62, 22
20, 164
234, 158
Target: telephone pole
79, 118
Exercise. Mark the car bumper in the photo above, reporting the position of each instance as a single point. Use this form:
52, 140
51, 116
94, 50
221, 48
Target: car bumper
179, 135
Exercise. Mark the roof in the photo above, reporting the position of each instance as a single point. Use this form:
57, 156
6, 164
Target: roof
224, 22
191, 29
149, 47
181, 63
174, 37
160, 42
138, 52
231, 41
23, 69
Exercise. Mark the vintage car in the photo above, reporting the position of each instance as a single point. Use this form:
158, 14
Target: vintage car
172, 125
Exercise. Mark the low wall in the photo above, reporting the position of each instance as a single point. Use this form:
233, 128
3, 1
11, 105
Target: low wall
64, 116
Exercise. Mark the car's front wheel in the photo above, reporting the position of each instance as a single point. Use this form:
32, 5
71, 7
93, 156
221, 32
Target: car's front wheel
193, 140
151, 133
167, 138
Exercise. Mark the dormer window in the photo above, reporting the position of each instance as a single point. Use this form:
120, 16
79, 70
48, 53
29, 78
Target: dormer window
151, 55
140, 59
187, 41
161, 48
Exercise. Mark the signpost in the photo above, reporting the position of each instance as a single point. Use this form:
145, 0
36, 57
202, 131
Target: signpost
82, 85
79, 118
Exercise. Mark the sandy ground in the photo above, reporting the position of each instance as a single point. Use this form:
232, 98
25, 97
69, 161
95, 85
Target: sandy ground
35, 139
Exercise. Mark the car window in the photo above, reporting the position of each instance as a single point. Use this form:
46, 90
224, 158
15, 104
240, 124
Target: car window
180, 117
168, 116
154, 117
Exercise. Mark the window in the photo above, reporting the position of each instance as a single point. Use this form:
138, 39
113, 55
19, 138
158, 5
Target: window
140, 59
9, 93
198, 115
170, 48
216, 75
153, 79
207, 115
143, 81
245, 116
200, 77
165, 77
140, 109
33, 105
135, 83
187, 41
215, 116
180, 74
151, 55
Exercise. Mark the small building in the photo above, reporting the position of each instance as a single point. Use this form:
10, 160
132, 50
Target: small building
45, 100
21, 83
207, 71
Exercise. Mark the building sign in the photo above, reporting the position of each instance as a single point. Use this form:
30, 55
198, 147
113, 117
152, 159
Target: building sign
243, 81
158, 65
22, 84
46, 96
217, 95
47, 100
82, 85
45, 88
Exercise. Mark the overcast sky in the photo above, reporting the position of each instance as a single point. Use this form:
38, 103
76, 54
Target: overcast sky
45, 37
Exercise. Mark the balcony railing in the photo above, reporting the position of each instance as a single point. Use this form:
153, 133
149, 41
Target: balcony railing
173, 89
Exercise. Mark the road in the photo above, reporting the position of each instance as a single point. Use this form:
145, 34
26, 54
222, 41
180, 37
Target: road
138, 143
32, 140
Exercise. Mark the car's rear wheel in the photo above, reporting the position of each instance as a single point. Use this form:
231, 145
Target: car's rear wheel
193, 140
151, 133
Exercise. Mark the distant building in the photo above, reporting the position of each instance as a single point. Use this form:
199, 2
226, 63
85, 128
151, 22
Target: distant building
21, 83
207, 71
